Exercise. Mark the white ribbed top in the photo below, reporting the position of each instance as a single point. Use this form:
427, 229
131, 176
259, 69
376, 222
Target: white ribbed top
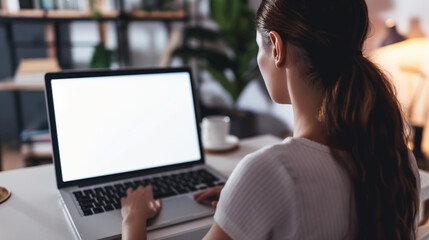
292, 190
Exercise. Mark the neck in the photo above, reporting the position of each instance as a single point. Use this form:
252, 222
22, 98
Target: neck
306, 102
308, 126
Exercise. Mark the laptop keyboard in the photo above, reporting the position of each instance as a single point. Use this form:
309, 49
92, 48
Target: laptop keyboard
108, 198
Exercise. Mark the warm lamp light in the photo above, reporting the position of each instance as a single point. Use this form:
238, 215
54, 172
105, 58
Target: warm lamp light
407, 63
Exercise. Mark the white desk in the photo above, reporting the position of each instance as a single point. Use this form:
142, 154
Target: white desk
34, 211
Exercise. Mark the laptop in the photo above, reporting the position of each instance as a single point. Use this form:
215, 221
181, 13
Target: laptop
112, 130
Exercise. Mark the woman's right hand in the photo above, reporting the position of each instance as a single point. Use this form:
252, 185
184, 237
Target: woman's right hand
210, 195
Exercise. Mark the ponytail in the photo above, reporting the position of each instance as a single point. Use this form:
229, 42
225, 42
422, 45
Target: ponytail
362, 116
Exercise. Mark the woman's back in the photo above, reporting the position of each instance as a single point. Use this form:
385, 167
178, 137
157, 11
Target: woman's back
292, 190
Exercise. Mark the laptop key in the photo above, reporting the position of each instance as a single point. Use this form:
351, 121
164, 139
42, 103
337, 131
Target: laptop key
146, 182
78, 194
117, 205
108, 208
98, 200
129, 185
99, 192
86, 204
87, 212
207, 175
120, 188
156, 188
115, 197
88, 192
85, 198
138, 183
98, 210
85, 208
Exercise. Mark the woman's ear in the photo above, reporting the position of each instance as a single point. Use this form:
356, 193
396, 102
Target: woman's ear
279, 49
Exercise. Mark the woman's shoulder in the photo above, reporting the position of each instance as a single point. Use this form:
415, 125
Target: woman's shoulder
267, 162
294, 158
289, 149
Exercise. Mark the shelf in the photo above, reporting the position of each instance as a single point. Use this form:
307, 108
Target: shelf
10, 85
29, 13
59, 19
67, 14
73, 15
157, 14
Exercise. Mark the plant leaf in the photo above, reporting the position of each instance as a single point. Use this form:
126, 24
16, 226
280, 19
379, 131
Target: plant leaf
225, 12
101, 58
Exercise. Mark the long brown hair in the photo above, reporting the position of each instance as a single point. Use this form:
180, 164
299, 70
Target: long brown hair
359, 110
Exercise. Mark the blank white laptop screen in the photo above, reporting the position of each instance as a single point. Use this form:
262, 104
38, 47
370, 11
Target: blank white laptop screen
116, 124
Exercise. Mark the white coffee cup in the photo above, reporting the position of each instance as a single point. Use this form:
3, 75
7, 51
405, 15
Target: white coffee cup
215, 130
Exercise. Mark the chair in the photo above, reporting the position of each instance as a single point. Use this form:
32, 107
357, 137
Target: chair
423, 231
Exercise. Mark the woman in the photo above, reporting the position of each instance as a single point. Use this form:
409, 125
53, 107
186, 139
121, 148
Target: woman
346, 173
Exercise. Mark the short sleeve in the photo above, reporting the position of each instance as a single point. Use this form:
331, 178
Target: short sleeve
258, 200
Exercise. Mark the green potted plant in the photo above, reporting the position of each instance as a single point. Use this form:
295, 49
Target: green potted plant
231, 48
228, 54
101, 58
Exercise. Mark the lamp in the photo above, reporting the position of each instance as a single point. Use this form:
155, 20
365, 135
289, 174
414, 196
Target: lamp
392, 34
407, 62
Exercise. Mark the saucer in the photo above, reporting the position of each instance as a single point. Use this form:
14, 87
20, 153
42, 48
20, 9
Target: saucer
230, 143
4, 194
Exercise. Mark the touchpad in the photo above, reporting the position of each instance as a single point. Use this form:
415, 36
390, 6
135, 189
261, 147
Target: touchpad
179, 209
196, 234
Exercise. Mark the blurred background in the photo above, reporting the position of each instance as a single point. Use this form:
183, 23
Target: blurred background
215, 37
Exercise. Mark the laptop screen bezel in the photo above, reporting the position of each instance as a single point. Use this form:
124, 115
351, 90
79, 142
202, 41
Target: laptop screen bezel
66, 75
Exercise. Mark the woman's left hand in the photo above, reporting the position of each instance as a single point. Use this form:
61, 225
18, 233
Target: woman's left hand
137, 207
